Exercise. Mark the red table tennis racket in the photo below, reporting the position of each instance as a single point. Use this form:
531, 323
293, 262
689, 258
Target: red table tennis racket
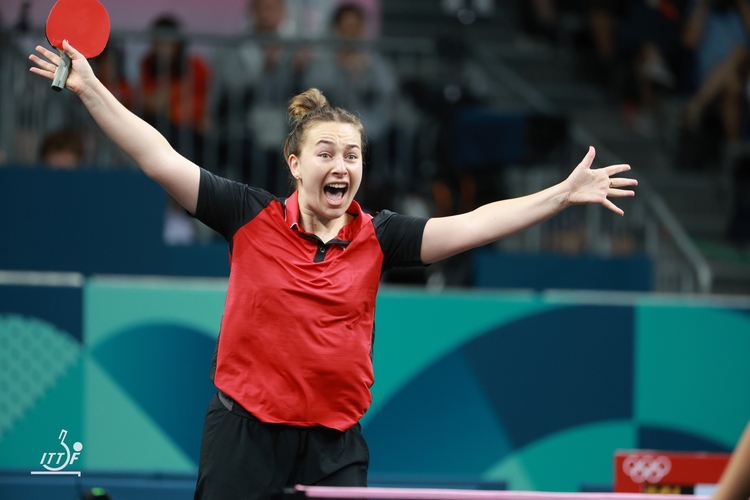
84, 24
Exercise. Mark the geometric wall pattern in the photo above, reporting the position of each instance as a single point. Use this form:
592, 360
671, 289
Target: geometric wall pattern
543, 400
34, 355
531, 389
173, 395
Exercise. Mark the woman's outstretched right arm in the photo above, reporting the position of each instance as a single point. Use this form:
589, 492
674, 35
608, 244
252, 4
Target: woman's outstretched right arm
144, 144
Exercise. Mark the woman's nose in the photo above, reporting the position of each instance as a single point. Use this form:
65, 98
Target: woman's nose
340, 166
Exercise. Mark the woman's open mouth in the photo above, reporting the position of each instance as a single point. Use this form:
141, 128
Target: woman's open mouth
335, 192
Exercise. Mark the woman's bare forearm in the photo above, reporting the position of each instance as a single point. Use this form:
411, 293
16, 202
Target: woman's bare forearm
448, 236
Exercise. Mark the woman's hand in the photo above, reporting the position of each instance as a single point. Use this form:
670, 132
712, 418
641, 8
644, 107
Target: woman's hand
80, 73
587, 185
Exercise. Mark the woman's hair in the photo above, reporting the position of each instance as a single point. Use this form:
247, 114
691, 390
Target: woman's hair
312, 107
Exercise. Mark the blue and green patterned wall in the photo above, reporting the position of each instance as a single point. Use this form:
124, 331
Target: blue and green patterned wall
538, 390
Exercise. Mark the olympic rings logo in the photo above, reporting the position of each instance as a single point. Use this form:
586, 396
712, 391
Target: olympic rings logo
642, 468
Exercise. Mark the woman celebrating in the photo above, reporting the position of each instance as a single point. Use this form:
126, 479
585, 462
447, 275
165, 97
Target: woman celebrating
293, 365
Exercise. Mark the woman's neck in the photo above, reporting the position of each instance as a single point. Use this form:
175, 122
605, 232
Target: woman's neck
325, 229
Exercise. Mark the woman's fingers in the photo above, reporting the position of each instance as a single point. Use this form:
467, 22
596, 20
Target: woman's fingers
42, 72
44, 67
616, 169
588, 159
611, 206
620, 193
42, 64
54, 57
618, 182
72, 52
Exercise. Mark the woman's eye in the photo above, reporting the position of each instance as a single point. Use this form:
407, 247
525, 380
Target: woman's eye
325, 155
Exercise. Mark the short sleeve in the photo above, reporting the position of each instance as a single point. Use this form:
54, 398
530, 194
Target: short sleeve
225, 205
400, 238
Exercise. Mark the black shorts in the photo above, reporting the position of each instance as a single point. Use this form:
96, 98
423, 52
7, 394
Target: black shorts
242, 457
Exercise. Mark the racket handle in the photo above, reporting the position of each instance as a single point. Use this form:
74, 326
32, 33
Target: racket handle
61, 74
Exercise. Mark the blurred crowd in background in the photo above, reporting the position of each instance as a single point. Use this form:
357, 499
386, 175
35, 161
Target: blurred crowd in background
651, 56
221, 100
643, 49
237, 89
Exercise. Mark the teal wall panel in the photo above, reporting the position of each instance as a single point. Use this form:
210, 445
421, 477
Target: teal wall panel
692, 372
533, 389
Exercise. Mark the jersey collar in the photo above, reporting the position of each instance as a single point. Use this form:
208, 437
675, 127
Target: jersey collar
346, 234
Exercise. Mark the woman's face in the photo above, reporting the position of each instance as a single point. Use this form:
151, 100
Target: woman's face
328, 169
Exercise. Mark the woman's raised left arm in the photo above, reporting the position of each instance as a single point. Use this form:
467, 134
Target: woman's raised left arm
447, 236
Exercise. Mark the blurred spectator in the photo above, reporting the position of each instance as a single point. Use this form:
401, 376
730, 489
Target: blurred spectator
21, 135
596, 20
108, 67
62, 150
717, 33
254, 81
635, 43
175, 85
603, 16
540, 18
649, 54
353, 77
358, 79
635, 47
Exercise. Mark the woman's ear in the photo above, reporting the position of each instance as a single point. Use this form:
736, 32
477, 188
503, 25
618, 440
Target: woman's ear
293, 163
